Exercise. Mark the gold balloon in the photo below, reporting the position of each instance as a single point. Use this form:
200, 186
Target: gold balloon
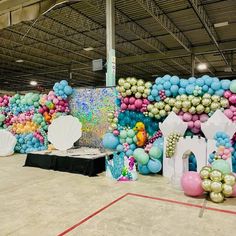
216, 187
206, 185
229, 179
204, 173
207, 168
216, 197
216, 175
227, 190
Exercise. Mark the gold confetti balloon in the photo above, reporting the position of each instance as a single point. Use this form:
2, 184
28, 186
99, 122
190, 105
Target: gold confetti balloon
204, 173
206, 185
229, 179
227, 190
216, 175
216, 187
216, 197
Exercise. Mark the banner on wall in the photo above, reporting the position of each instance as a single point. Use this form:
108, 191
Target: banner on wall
91, 107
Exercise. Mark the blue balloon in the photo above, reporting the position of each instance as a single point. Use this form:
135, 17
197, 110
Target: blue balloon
64, 83
225, 84
157, 98
158, 80
160, 87
68, 90
181, 91
190, 89
174, 80
154, 92
168, 93
166, 77
208, 80
167, 85
205, 88
150, 98
129, 153
192, 80
154, 166
143, 169
216, 86
219, 92
174, 89
159, 143
132, 146
200, 82
210, 91
110, 141
120, 148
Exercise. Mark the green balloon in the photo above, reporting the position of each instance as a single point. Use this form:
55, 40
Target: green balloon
129, 140
141, 156
233, 86
123, 134
131, 133
2, 117
222, 166
155, 152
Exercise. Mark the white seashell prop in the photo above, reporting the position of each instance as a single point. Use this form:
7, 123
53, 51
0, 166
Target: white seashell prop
218, 122
173, 123
7, 143
64, 132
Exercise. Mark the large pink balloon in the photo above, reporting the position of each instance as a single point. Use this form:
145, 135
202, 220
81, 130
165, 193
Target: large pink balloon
192, 184
234, 191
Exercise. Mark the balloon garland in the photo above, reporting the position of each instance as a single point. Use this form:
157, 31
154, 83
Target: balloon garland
172, 140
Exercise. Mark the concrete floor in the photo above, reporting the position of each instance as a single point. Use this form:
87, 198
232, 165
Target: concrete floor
36, 202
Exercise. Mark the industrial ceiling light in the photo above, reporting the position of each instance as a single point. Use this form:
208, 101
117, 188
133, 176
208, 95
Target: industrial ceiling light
19, 60
88, 49
202, 66
33, 83
221, 24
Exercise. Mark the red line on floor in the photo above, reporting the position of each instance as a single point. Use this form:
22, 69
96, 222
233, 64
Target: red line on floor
92, 215
147, 197
182, 203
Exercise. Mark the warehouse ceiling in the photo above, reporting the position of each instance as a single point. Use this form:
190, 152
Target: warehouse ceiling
153, 37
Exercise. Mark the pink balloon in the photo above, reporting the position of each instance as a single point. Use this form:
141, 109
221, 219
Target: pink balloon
116, 132
131, 100
123, 106
232, 98
145, 101
232, 108
138, 103
192, 184
197, 124
195, 117
132, 107
187, 117
126, 100
195, 130
190, 124
227, 94
204, 117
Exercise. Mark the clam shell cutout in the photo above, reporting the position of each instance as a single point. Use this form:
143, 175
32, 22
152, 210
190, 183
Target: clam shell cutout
64, 132
7, 143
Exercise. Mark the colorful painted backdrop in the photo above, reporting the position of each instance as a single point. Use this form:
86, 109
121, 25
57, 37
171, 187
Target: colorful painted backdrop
91, 106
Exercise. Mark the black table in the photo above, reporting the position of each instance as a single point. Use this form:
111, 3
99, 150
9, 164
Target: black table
78, 165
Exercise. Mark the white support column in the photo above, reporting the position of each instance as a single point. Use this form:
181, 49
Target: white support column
110, 41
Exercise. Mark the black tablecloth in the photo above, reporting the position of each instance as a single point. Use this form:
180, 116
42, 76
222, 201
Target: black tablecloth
90, 167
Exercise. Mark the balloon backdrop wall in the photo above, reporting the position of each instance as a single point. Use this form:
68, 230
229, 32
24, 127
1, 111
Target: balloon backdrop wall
134, 127
28, 116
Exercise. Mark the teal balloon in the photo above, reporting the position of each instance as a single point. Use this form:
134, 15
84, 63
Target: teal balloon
110, 141
222, 166
120, 148
154, 166
129, 140
155, 152
143, 169
233, 86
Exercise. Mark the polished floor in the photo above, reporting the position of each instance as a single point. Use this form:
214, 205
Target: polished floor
36, 202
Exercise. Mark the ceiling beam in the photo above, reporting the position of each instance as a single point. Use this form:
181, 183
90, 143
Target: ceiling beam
204, 19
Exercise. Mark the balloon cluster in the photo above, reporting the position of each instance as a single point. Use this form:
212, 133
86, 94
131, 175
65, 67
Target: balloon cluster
29, 115
134, 104
132, 86
172, 140
224, 147
194, 121
113, 120
174, 86
62, 89
217, 184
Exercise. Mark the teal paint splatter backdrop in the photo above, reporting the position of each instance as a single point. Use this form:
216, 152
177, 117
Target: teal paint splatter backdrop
91, 107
